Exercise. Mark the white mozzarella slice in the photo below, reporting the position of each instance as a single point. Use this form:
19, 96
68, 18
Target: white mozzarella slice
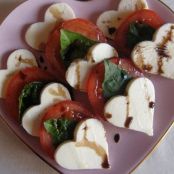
149, 55
59, 12
132, 5
17, 60
20, 59
51, 94
100, 52
90, 130
37, 34
109, 21
89, 150
136, 110
157, 56
77, 74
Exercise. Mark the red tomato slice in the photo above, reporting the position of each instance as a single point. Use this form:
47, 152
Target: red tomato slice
17, 82
95, 80
65, 109
52, 55
148, 17
84, 27
52, 52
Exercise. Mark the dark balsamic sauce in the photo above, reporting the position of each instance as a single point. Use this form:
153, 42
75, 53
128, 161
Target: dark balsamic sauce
151, 105
117, 138
128, 122
107, 115
105, 163
147, 67
111, 30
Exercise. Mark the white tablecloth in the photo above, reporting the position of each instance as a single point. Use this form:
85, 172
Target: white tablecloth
16, 158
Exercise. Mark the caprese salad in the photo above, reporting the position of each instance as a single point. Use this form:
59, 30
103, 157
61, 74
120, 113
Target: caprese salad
106, 61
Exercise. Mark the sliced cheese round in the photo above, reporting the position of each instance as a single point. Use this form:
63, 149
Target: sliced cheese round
77, 74
100, 52
132, 5
136, 110
59, 12
92, 130
37, 34
51, 94
20, 59
109, 21
89, 150
157, 56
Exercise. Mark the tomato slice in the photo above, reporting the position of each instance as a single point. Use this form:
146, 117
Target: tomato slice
84, 27
52, 51
144, 16
17, 82
95, 80
65, 109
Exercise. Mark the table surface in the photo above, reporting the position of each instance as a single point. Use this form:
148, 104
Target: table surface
16, 158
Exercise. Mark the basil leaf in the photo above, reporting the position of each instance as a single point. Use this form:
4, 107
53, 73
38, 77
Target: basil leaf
115, 80
60, 129
73, 46
139, 32
30, 96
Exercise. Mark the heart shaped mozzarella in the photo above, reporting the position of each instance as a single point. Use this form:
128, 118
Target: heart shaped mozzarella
17, 60
100, 52
77, 74
51, 94
59, 12
132, 5
38, 33
136, 110
89, 150
157, 57
109, 21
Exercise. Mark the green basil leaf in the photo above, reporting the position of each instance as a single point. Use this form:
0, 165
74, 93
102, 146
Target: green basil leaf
139, 32
73, 46
60, 129
115, 80
30, 96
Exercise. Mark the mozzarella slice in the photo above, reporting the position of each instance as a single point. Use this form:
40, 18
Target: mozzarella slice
50, 95
37, 34
59, 12
134, 111
101, 51
132, 5
109, 21
157, 56
77, 74
89, 150
17, 60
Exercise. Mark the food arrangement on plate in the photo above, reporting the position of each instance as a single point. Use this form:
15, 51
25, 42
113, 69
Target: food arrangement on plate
106, 61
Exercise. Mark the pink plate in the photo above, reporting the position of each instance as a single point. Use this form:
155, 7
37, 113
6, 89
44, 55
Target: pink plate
133, 146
